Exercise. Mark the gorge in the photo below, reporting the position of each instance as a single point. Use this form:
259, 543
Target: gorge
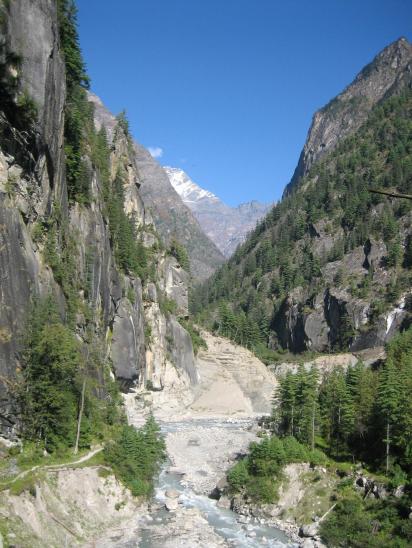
176, 372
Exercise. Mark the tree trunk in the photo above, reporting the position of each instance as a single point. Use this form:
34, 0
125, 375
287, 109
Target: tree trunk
387, 446
79, 421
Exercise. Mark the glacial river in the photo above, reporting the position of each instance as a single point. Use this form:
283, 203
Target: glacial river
224, 523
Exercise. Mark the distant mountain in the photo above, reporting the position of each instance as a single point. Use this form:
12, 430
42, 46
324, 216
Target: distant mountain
226, 226
173, 219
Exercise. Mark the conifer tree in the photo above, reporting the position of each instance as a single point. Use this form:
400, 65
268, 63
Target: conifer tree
388, 404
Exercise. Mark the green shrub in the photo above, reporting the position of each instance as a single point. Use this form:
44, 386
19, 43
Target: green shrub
180, 253
264, 489
26, 483
198, 341
167, 306
317, 458
238, 475
136, 456
369, 523
294, 451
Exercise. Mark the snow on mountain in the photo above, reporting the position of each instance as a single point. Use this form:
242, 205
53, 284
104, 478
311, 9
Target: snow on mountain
185, 187
225, 226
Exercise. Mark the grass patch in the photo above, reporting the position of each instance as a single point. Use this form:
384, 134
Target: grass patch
26, 483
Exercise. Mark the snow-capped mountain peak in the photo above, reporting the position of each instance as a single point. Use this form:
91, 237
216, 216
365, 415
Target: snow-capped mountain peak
225, 226
185, 187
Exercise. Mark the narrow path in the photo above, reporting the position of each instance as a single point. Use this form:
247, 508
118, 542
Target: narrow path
82, 459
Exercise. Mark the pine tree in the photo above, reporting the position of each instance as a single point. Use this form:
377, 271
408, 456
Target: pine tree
286, 403
388, 403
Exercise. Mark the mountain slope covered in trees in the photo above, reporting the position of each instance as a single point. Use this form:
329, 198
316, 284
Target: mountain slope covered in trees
329, 267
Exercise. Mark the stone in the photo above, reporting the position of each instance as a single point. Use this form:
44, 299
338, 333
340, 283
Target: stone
399, 491
224, 502
171, 505
309, 530
222, 484
172, 494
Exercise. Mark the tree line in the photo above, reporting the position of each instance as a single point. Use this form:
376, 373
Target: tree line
357, 414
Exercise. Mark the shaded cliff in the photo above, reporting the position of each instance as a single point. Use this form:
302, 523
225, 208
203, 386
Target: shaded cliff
96, 254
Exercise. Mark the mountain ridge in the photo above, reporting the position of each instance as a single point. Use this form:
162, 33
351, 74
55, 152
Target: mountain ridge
328, 267
173, 219
390, 69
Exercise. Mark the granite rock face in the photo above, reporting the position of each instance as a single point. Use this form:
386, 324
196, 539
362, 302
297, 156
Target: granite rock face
115, 306
31, 32
390, 71
174, 283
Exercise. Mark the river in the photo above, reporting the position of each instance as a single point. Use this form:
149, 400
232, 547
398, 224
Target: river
198, 520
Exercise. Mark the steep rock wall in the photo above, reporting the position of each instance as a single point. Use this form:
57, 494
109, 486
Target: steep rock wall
172, 217
111, 306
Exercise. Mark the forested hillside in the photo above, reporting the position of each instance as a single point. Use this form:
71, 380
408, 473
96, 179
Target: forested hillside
329, 266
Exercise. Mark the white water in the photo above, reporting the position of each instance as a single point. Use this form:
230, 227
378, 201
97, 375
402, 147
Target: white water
224, 522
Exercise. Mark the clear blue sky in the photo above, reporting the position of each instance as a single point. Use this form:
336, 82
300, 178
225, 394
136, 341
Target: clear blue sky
227, 88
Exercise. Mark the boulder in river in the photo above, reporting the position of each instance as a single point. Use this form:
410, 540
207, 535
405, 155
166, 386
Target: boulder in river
224, 502
171, 505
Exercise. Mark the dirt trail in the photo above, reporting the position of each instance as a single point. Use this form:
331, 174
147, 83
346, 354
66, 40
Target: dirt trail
84, 458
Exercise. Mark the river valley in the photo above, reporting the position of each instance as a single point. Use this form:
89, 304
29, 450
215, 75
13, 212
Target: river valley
204, 438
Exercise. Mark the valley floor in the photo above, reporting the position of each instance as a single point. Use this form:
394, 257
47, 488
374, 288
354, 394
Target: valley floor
207, 427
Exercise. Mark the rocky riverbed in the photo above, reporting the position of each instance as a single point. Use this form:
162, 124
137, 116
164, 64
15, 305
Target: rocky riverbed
206, 430
200, 452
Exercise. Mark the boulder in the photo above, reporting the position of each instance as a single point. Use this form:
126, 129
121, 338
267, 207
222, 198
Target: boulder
307, 543
399, 491
172, 494
171, 505
224, 502
310, 530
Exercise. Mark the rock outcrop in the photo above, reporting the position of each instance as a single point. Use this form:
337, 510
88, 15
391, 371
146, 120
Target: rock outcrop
69, 507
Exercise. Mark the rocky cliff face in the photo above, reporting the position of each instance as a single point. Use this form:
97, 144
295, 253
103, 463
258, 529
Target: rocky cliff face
171, 216
121, 312
389, 72
226, 226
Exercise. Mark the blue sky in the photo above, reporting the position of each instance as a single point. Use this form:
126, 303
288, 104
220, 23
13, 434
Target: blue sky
227, 88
